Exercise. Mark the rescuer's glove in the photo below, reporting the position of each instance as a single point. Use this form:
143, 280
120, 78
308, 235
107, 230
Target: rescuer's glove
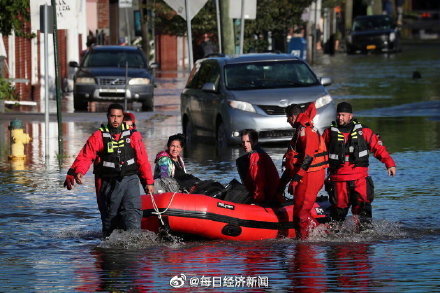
69, 182
295, 180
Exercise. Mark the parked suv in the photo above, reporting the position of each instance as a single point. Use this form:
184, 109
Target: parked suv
373, 33
112, 73
224, 95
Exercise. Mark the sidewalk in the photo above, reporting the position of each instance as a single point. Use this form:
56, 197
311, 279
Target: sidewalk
166, 101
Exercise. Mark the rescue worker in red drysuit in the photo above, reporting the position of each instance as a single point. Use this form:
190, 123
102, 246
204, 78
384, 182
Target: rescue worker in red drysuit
257, 171
130, 121
348, 143
304, 162
122, 160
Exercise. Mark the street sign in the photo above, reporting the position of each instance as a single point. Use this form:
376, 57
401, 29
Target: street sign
179, 7
49, 19
66, 13
125, 3
250, 9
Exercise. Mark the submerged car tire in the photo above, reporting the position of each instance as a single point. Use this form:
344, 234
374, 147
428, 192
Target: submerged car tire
147, 106
349, 50
221, 137
188, 131
79, 104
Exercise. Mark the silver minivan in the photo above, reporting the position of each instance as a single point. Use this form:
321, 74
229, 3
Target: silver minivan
224, 95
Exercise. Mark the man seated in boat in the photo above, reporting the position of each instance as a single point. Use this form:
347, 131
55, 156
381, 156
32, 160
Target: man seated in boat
257, 171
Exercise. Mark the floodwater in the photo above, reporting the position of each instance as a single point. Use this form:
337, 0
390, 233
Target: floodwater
50, 237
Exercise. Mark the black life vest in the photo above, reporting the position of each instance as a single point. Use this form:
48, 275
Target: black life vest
355, 150
242, 164
118, 157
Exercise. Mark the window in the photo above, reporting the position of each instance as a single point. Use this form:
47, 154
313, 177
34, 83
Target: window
114, 59
204, 72
372, 23
266, 75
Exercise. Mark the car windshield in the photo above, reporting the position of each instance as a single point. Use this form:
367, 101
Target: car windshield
372, 23
113, 58
269, 75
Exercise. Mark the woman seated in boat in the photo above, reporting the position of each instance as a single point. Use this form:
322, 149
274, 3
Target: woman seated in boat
169, 163
257, 171
169, 172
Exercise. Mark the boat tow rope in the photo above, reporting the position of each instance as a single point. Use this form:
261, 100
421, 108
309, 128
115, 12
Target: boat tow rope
156, 209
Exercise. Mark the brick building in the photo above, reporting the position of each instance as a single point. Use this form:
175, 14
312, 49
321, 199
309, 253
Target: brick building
77, 20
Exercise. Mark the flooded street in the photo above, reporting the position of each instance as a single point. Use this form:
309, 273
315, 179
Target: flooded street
50, 237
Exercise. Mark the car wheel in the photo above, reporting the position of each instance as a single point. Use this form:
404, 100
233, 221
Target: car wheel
398, 46
221, 136
79, 104
147, 106
349, 50
188, 131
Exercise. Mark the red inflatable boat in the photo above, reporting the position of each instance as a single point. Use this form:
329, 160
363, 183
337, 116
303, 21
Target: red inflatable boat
211, 218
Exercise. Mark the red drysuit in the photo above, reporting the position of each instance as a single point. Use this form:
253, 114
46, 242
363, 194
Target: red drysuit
348, 172
305, 163
261, 177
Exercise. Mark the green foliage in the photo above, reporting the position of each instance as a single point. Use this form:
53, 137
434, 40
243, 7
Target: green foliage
274, 16
332, 3
7, 91
168, 22
14, 15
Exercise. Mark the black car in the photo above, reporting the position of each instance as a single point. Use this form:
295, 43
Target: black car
373, 33
113, 73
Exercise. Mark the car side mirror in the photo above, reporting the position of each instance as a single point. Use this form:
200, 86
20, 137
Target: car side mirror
209, 87
73, 64
325, 81
154, 65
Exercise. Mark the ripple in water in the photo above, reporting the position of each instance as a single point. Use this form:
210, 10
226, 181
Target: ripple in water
381, 230
139, 239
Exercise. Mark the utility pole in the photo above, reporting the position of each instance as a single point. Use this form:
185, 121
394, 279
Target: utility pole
227, 29
219, 30
242, 26
189, 35
144, 28
348, 15
57, 80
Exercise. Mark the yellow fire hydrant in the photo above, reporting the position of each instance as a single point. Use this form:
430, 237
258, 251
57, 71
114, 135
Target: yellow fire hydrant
18, 140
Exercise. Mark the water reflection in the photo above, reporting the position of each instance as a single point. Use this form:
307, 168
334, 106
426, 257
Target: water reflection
50, 237
307, 270
285, 266
352, 267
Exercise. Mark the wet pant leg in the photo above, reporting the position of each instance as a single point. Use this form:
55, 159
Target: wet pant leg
362, 196
111, 195
340, 201
130, 210
304, 199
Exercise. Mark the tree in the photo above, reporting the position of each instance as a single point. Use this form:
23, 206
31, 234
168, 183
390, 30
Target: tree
276, 17
15, 16
169, 22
